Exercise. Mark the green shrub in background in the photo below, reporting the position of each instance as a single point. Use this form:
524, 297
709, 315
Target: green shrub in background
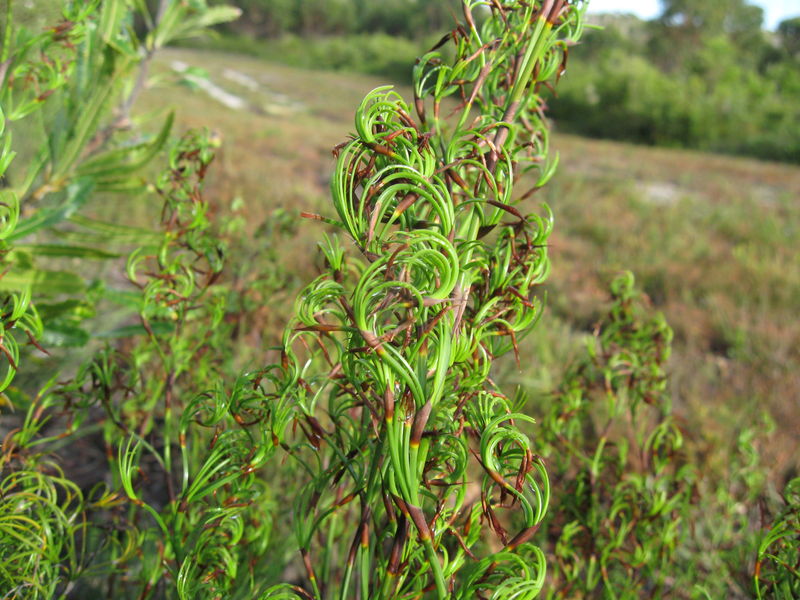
375, 54
377, 38
626, 97
639, 512
776, 572
712, 87
308, 18
702, 75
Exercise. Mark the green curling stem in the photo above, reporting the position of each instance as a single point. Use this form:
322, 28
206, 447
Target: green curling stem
444, 286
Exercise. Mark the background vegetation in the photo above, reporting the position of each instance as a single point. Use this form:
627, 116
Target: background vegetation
128, 463
703, 75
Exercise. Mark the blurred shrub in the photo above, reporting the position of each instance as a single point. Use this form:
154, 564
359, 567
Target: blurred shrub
374, 54
405, 18
717, 97
638, 508
713, 81
776, 572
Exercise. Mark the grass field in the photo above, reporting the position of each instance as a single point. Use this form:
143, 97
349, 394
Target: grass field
713, 241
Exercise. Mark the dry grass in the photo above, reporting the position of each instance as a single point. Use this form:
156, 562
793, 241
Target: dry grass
711, 239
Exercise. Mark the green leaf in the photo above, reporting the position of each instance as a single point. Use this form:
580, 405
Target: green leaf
121, 162
114, 232
83, 130
111, 19
68, 309
216, 15
43, 282
64, 335
9, 213
78, 193
178, 24
130, 298
66, 251
158, 327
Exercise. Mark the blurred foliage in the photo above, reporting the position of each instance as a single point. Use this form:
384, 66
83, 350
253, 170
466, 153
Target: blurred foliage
378, 38
404, 18
777, 572
375, 54
789, 32
616, 464
640, 510
704, 75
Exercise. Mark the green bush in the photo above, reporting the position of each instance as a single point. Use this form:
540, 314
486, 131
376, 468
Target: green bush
308, 18
376, 54
716, 98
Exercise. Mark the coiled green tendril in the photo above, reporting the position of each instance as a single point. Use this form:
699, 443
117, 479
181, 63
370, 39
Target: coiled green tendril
414, 457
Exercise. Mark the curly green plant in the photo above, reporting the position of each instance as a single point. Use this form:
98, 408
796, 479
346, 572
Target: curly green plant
386, 369
638, 510
65, 138
177, 504
408, 461
620, 481
777, 570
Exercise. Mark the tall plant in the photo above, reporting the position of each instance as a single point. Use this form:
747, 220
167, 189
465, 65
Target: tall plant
413, 456
620, 481
66, 91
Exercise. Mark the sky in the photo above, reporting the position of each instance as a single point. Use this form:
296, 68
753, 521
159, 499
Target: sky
775, 11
